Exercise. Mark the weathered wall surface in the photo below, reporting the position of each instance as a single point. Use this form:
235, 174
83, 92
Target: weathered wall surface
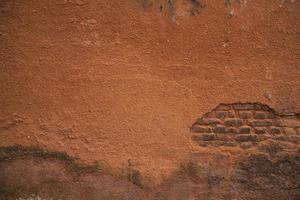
110, 81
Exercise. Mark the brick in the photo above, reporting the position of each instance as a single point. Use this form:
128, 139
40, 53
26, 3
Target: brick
293, 123
246, 145
232, 130
277, 122
223, 107
289, 131
233, 122
243, 106
280, 137
245, 130
217, 143
203, 143
204, 137
275, 130
208, 137
208, 121
294, 138
246, 138
260, 115
223, 137
245, 114
230, 144
219, 129
260, 130
271, 115
221, 114
260, 122
264, 137
200, 129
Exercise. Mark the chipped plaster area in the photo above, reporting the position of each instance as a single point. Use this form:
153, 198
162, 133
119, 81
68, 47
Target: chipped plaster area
110, 81
245, 125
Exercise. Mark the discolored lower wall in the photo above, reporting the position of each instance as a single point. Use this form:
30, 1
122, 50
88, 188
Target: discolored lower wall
270, 171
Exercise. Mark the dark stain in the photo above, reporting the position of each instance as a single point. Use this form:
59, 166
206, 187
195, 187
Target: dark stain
228, 2
196, 6
261, 171
18, 151
161, 8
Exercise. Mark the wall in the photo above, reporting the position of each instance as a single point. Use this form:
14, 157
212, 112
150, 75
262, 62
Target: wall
110, 81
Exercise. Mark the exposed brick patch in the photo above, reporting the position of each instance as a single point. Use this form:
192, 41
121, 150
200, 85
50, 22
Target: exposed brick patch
244, 124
